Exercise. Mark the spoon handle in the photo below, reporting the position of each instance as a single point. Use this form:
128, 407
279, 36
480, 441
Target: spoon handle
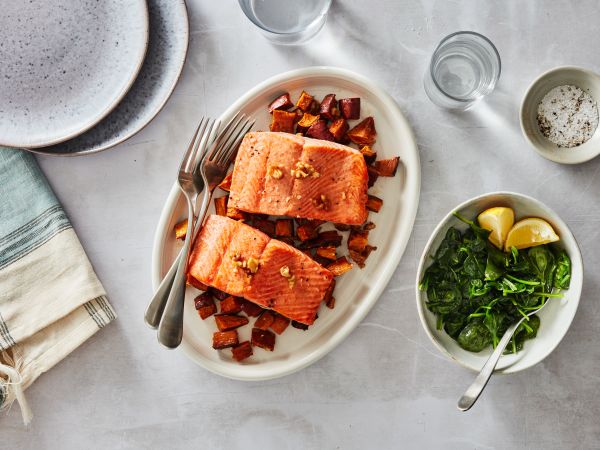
474, 391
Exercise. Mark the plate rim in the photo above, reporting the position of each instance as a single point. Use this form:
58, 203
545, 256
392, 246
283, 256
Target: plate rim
152, 116
140, 56
388, 270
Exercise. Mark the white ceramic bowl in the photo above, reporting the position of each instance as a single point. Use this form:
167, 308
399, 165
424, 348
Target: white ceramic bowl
585, 79
555, 317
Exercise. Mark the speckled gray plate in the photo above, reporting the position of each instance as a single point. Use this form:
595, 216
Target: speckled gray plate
167, 48
65, 64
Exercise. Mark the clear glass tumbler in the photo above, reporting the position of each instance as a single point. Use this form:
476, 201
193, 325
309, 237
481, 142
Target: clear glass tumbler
287, 22
464, 68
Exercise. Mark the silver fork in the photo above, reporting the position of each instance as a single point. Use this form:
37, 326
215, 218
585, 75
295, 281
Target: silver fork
191, 159
213, 169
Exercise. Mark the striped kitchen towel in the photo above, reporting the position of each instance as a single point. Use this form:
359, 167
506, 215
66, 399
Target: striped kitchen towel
50, 298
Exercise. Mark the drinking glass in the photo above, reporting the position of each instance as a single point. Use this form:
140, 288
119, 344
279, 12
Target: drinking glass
464, 68
287, 22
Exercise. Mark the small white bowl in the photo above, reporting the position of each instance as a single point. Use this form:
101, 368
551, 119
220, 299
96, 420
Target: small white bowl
555, 317
585, 79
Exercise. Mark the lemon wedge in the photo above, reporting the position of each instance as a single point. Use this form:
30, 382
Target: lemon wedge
499, 220
529, 233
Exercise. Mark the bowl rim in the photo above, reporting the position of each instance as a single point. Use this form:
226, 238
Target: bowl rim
527, 98
427, 250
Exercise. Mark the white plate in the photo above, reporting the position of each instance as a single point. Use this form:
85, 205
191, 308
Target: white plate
65, 65
357, 291
555, 319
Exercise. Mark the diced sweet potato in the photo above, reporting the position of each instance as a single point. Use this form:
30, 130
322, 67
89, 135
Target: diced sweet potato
227, 322
387, 167
283, 121
364, 133
319, 130
251, 309
314, 107
358, 240
350, 108
224, 339
304, 101
341, 226
281, 102
373, 175
329, 291
263, 339
242, 351
289, 240
231, 305
299, 325
338, 129
368, 153
360, 257
205, 305
374, 203
323, 239
219, 295
331, 302
195, 283
284, 227
320, 260
221, 205
236, 214
307, 120
265, 225
181, 229
329, 108
280, 323
226, 183
340, 266
327, 252
265, 320
369, 226
306, 231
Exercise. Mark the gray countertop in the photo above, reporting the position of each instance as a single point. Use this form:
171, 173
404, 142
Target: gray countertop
385, 386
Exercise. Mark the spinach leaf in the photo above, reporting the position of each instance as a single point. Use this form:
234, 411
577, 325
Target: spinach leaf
474, 337
562, 275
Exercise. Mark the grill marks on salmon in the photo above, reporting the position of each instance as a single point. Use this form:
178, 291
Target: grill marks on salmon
223, 257
334, 188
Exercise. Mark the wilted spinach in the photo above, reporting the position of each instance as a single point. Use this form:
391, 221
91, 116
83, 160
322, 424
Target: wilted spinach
478, 291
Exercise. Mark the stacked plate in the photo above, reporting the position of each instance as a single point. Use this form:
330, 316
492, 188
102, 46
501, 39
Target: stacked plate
80, 76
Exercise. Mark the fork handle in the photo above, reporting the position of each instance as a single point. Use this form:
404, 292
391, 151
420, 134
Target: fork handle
155, 308
170, 329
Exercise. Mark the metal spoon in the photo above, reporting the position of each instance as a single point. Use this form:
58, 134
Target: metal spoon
474, 391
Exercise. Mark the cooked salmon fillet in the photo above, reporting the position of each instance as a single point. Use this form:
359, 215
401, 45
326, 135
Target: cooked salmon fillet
287, 175
242, 261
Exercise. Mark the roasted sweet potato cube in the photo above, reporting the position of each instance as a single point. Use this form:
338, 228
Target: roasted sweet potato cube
227, 322
224, 339
341, 226
299, 325
340, 266
242, 351
368, 153
331, 302
338, 129
374, 203
205, 305
195, 283
304, 101
284, 227
387, 167
329, 107
181, 229
281, 102
364, 133
369, 226
265, 320
322, 261
327, 252
226, 183
236, 214
251, 309
219, 295
319, 130
373, 175
265, 225
280, 323
360, 257
283, 121
307, 121
231, 305
306, 231
330, 238
289, 240
358, 240
329, 291
263, 339
350, 108
221, 205
207, 311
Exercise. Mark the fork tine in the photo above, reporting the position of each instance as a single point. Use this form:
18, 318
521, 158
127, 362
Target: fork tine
204, 143
230, 152
186, 157
224, 137
229, 139
220, 133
